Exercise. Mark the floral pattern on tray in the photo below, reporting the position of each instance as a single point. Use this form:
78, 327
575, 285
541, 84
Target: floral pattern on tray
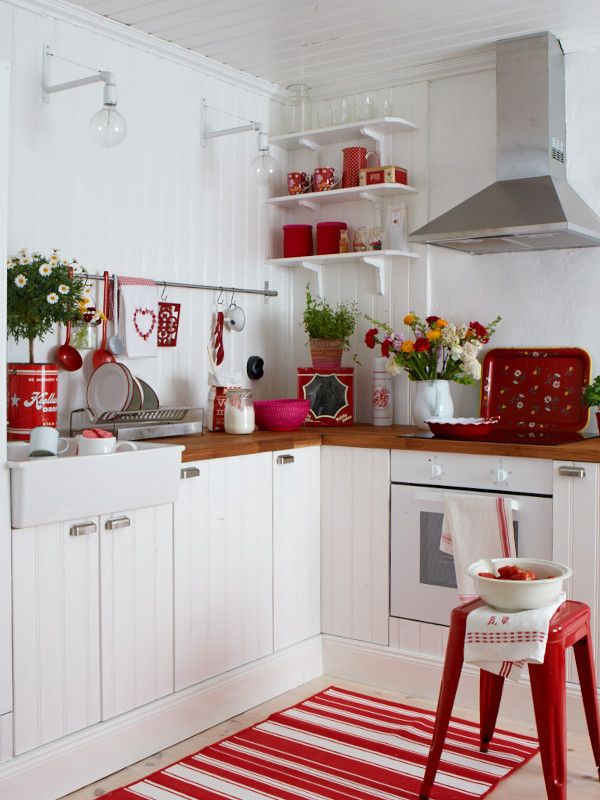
536, 389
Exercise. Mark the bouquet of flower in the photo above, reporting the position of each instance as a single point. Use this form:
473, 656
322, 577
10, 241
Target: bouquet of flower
434, 350
41, 291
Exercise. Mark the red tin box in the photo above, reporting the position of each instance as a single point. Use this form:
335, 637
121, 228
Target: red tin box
331, 394
390, 174
328, 237
297, 241
32, 398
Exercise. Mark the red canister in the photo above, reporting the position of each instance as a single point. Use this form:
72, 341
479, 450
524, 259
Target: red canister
297, 241
328, 237
32, 398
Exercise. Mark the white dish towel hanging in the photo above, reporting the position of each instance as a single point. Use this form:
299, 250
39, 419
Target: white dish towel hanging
138, 316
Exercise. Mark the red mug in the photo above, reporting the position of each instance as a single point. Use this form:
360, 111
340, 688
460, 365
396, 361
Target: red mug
298, 182
324, 179
354, 159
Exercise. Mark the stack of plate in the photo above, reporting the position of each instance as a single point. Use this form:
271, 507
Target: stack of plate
112, 387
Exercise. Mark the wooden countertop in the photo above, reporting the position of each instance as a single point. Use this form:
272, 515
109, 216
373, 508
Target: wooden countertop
220, 445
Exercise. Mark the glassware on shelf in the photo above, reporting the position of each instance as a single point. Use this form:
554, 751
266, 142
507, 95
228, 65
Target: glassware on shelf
347, 109
300, 108
367, 105
239, 411
324, 117
387, 106
361, 240
375, 237
83, 334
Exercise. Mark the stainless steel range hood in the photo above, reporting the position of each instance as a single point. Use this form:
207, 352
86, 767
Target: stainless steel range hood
530, 206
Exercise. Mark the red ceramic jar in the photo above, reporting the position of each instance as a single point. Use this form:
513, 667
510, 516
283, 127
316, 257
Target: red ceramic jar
297, 241
328, 237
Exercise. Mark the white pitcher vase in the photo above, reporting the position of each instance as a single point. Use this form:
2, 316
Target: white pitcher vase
432, 399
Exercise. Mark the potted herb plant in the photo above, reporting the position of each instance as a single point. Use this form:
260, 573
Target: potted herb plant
591, 397
328, 329
41, 291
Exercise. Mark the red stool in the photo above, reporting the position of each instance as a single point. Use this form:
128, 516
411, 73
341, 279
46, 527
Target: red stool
569, 627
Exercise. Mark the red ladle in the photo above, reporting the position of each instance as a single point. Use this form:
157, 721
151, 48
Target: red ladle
102, 355
66, 355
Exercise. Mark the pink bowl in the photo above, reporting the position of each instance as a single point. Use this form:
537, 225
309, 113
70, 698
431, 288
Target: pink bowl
280, 415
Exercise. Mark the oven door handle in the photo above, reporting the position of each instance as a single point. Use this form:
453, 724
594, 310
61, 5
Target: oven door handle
438, 497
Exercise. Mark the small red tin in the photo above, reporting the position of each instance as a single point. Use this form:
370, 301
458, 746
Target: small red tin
390, 174
328, 237
297, 241
32, 398
331, 395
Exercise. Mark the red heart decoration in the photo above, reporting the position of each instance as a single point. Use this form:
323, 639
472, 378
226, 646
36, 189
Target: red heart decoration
144, 322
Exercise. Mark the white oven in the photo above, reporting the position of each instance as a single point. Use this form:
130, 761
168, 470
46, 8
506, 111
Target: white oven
422, 578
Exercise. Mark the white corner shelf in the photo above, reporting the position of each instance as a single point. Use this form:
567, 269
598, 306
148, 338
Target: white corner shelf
314, 139
376, 193
373, 258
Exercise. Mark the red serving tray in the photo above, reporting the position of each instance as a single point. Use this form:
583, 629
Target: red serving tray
536, 388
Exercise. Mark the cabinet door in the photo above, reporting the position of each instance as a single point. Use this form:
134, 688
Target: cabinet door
355, 533
136, 607
223, 567
55, 631
576, 536
296, 545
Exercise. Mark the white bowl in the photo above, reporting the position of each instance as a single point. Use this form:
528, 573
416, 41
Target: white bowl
519, 595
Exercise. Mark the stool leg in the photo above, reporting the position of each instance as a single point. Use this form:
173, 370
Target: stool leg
490, 694
549, 703
450, 677
584, 658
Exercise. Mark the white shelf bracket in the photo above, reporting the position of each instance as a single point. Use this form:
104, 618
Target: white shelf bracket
308, 204
318, 270
306, 141
372, 198
379, 263
378, 137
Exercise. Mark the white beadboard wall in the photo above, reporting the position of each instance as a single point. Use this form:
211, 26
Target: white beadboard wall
158, 205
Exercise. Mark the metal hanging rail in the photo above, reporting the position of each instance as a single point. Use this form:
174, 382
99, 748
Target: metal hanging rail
266, 292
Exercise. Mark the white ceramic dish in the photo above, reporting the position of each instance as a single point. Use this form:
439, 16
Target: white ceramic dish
110, 388
463, 420
150, 396
519, 595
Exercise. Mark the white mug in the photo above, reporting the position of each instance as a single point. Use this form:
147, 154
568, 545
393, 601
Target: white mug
235, 319
44, 441
97, 447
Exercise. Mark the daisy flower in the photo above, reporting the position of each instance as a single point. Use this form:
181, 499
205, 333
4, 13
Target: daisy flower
63, 289
52, 298
75, 267
23, 252
54, 259
23, 261
20, 281
87, 290
45, 270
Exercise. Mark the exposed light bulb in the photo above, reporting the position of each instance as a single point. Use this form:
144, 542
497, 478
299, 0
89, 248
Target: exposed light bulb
107, 127
264, 166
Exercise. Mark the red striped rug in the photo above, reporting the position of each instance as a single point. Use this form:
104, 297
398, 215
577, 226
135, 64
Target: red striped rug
338, 745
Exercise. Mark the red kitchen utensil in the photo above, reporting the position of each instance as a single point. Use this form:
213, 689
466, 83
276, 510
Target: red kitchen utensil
218, 348
102, 355
476, 428
536, 388
168, 323
68, 356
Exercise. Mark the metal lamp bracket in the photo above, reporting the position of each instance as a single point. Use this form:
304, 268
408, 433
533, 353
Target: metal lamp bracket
206, 134
318, 270
99, 76
379, 263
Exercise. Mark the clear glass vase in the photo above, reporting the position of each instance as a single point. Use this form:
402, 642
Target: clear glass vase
432, 399
300, 110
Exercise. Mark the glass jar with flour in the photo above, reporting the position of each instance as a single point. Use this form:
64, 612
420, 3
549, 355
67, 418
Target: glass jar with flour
239, 411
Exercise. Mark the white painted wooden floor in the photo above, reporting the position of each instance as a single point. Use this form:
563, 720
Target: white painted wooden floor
527, 782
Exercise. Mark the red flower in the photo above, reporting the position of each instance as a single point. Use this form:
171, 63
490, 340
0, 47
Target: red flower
370, 337
480, 331
385, 347
422, 344
431, 320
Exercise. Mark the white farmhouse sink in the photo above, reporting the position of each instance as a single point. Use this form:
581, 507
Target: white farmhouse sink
69, 486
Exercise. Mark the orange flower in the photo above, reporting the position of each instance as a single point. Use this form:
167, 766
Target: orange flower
433, 335
441, 323
407, 347
409, 319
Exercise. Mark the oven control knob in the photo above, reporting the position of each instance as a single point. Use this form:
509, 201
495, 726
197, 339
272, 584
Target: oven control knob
435, 471
500, 475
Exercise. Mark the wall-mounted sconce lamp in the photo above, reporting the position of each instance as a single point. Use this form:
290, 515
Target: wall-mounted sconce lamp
264, 167
107, 127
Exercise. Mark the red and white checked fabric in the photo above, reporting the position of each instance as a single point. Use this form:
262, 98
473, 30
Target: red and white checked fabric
474, 527
504, 641
338, 745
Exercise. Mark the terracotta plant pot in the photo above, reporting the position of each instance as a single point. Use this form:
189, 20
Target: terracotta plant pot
326, 352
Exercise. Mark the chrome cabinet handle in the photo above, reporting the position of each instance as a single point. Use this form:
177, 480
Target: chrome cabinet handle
82, 528
572, 472
189, 472
116, 523
287, 459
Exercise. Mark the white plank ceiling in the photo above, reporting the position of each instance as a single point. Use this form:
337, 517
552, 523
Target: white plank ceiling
337, 46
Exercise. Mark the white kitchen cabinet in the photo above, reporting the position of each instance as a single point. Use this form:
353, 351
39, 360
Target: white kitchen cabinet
296, 545
56, 634
136, 607
355, 532
576, 537
223, 567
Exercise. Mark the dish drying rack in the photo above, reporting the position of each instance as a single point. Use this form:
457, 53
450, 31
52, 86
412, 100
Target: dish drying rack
149, 423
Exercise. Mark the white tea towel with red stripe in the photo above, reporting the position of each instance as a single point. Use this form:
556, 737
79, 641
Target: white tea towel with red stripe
503, 641
138, 316
474, 527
